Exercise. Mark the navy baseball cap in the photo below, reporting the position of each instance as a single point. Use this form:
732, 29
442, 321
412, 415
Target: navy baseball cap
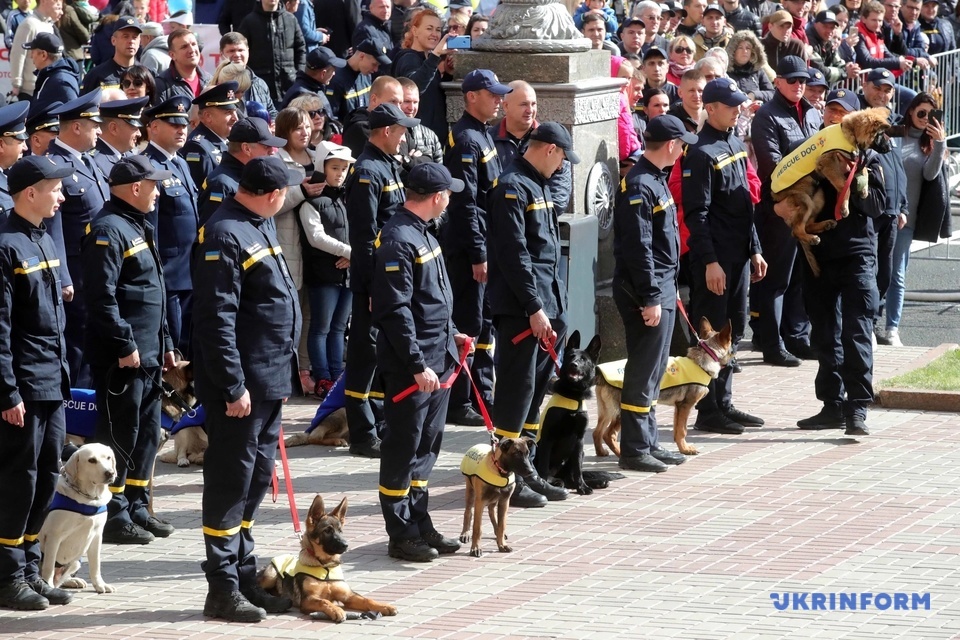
134, 169
30, 170
666, 127
49, 42
13, 120
322, 57
371, 48
880, 77
267, 173
128, 22
829, 17
845, 98
388, 114
479, 79
254, 130
556, 133
725, 91
431, 177
714, 7
816, 79
629, 22
654, 51
127, 110
791, 67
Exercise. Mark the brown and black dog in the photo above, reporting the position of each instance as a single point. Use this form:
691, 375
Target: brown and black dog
189, 443
491, 478
331, 432
713, 352
313, 580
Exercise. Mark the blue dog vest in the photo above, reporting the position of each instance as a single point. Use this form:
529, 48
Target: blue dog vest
64, 503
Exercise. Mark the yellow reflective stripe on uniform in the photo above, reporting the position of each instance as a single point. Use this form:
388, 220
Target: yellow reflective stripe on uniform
539, 205
393, 186
730, 160
427, 257
247, 524
221, 533
531, 426
356, 394
394, 493
376, 395
634, 408
663, 207
117, 489
260, 255
490, 156
137, 248
419, 484
506, 434
12, 542
356, 94
43, 265
483, 346
31, 537
138, 483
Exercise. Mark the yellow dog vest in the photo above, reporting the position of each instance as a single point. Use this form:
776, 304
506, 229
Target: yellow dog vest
473, 465
290, 566
803, 160
679, 371
557, 401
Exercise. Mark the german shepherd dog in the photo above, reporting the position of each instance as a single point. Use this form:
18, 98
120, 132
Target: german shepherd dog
331, 432
800, 203
712, 352
563, 423
314, 580
189, 443
491, 478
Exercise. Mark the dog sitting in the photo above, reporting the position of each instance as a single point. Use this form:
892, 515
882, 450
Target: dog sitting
74, 526
683, 385
832, 153
313, 580
189, 442
491, 478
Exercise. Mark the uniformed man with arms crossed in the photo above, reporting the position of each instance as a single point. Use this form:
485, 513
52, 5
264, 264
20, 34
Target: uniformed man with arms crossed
417, 344
646, 247
246, 328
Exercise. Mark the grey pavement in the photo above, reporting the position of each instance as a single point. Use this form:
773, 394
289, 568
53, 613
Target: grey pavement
692, 553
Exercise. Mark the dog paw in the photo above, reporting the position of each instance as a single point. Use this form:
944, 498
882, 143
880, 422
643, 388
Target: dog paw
814, 240
74, 583
336, 614
584, 490
476, 552
387, 610
464, 537
183, 462
505, 548
602, 453
104, 588
829, 224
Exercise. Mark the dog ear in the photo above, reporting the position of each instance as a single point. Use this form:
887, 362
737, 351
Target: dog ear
183, 364
573, 342
316, 511
530, 442
705, 326
506, 444
73, 465
727, 333
340, 513
593, 349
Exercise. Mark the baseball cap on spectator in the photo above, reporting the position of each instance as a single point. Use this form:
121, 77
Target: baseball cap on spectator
816, 79
666, 127
779, 17
322, 57
49, 42
880, 77
670, 7
154, 29
254, 130
431, 177
127, 22
714, 7
134, 169
484, 79
791, 67
371, 48
630, 22
654, 52
183, 17
555, 133
829, 17
30, 170
845, 98
388, 114
724, 91
267, 173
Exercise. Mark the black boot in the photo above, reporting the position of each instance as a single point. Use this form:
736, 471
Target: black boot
525, 498
546, 489
232, 606
268, 602
18, 595
51, 593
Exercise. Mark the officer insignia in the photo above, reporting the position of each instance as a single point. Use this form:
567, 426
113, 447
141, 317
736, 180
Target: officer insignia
210, 256
252, 249
841, 93
74, 176
421, 250
733, 86
230, 95
137, 241
25, 264
198, 137
180, 108
383, 49
392, 266
167, 183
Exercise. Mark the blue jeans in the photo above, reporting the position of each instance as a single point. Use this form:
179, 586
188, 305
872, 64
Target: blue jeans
901, 258
329, 312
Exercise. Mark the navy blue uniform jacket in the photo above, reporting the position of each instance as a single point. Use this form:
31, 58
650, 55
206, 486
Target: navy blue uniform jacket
246, 318
203, 152
175, 218
855, 234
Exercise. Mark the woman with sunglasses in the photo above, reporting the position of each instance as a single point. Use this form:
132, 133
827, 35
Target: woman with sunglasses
322, 128
924, 143
138, 82
681, 58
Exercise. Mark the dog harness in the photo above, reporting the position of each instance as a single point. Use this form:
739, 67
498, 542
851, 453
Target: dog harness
803, 161
65, 503
473, 465
558, 401
679, 371
290, 566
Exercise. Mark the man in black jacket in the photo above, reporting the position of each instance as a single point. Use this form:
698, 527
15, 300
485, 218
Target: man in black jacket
184, 77
58, 78
277, 47
322, 65
375, 25
339, 18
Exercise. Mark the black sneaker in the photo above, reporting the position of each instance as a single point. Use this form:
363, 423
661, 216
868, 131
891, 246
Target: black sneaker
742, 417
830, 417
717, 423
524, 497
129, 533
782, 358
368, 449
232, 606
668, 457
466, 417
856, 427
268, 602
802, 350
18, 595
412, 550
735, 366
52, 594
443, 545
156, 526
547, 490
644, 462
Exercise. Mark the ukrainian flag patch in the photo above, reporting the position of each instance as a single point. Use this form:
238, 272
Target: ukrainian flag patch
392, 266
636, 200
467, 158
364, 178
510, 194
193, 157
211, 255
103, 241
216, 197
686, 173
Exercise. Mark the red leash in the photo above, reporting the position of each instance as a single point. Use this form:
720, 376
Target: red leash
453, 377
700, 341
487, 420
544, 344
837, 215
288, 480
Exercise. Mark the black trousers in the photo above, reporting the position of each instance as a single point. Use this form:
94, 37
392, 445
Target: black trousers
886, 227
363, 399
732, 306
523, 372
648, 349
237, 470
28, 477
75, 331
412, 434
842, 304
179, 315
471, 316
128, 421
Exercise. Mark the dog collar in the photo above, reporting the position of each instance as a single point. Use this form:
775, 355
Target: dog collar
65, 503
709, 351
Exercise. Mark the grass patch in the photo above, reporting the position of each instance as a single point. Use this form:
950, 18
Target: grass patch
943, 374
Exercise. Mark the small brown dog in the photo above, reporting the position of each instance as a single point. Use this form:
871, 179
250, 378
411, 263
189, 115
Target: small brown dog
314, 580
683, 385
490, 478
831, 153
189, 443
331, 432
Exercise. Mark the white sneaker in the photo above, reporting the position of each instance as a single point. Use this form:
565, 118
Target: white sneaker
873, 339
893, 337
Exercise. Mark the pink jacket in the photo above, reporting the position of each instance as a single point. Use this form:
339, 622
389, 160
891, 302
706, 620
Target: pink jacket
626, 134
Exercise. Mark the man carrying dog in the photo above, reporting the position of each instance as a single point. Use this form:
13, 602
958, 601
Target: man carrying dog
128, 345
33, 380
527, 294
724, 248
246, 328
417, 344
647, 254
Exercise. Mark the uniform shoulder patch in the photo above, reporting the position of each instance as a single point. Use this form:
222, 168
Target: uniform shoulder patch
391, 266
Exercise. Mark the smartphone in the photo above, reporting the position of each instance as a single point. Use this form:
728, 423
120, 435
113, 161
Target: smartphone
937, 114
318, 177
458, 42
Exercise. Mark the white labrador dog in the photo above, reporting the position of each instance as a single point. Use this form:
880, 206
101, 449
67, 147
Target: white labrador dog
74, 526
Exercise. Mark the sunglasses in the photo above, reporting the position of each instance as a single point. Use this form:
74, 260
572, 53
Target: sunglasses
922, 115
683, 50
792, 81
126, 84
316, 113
